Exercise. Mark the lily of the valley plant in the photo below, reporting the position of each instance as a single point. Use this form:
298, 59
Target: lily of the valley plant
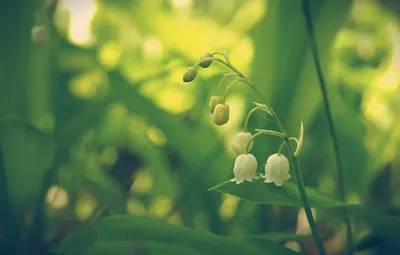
277, 166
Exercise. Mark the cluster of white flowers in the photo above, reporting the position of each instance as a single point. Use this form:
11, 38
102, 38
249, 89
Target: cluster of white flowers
276, 169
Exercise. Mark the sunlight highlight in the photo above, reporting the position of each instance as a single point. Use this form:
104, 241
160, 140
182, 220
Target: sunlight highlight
109, 54
160, 207
228, 207
181, 3
156, 136
389, 80
143, 182
85, 206
81, 17
377, 111
135, 207
152, 48
175, 219
57, 197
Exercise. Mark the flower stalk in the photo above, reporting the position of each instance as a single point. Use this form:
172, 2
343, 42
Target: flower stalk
292, 158
246, 164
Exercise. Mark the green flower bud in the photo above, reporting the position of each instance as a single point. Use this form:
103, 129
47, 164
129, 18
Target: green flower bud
214, 101
39, 34
190, 74
205, 63
221, 114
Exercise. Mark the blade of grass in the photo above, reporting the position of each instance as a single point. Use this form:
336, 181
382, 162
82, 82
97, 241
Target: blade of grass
314, 51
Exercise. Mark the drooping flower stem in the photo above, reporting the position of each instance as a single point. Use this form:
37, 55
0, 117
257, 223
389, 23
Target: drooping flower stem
246, 121
292, 158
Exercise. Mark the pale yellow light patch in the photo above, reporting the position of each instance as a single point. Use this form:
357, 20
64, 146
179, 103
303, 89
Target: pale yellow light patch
152, 48
118, 110
249, 14
175, 219
343, 39
160, 207
376, 110
303, 228
135, 207
87, 84
109, 155
174, 100
57, 197
143, 182
293, 245
136, 125
242, 55
109, 54
85, 207
365, 48
152, 88
191, 37
389, 80
181, 3
221, 8
81, 18
174, 77
364, 11
228, 207
353, 198
156, 136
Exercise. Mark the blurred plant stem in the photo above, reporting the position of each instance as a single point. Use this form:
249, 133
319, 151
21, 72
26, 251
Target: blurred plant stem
314, 51
16, 21
292, 158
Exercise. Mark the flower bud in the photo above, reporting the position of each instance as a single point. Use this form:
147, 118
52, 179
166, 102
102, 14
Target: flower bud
240, 142
190, 74
39, 34
205, 63
221, 114
214, 101
245, 168
276, 169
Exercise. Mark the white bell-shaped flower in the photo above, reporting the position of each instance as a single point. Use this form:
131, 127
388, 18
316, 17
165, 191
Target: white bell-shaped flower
240, 142
276, 169
245, 168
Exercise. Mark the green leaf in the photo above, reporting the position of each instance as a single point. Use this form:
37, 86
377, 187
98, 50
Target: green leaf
27, 155
278, 237
287, 195
141, 247
122, 234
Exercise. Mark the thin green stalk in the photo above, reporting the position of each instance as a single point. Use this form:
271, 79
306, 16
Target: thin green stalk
246, 121
322, 83
293, 160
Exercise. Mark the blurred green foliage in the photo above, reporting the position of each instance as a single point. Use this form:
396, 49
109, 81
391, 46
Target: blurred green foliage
103, 124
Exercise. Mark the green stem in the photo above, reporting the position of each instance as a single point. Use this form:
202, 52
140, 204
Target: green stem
246, 121
322, 83
262, 132
222, 80
303, 195
293, 160
229, 86
281, 148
